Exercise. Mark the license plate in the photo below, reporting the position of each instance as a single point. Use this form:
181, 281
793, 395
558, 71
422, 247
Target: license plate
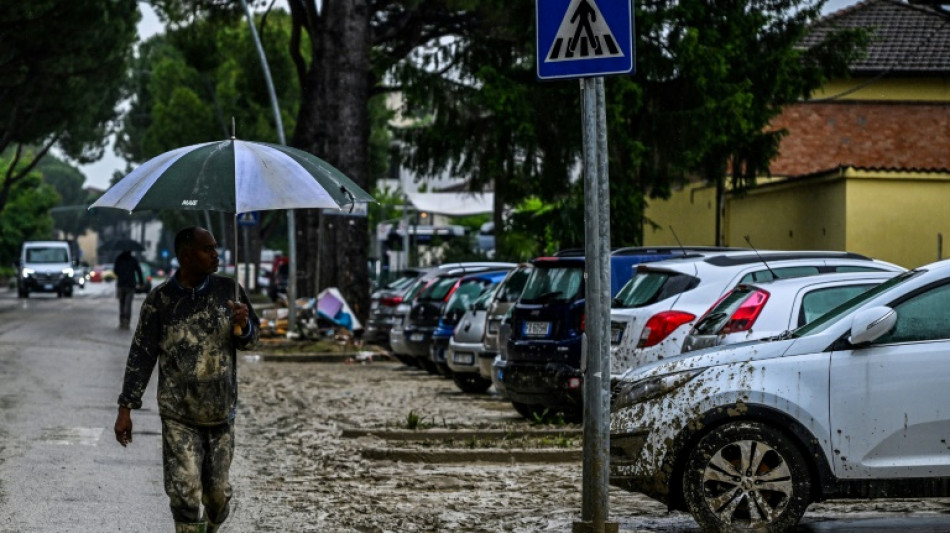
417, 337
48, 287
537, 328
463, 358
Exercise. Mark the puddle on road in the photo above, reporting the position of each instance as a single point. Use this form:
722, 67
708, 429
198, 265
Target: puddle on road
71, 436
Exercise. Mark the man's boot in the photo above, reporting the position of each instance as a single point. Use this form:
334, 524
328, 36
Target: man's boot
193, 527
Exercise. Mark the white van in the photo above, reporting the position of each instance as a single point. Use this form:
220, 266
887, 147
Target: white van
45, 266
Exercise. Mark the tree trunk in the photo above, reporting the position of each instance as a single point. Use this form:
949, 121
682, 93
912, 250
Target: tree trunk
333, 124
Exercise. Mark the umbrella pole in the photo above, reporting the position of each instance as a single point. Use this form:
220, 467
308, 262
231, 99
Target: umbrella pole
237, 288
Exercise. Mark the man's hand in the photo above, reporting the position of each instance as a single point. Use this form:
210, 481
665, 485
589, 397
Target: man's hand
239, 314
123, 426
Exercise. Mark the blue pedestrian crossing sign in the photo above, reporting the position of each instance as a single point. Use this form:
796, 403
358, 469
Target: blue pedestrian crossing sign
584, 38
251, 218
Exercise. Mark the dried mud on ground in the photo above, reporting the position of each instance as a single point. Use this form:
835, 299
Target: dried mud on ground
296, 469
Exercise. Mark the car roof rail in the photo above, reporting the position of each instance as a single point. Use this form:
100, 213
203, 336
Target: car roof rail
729, 260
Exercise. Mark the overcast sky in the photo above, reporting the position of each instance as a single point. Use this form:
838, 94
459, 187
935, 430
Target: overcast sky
98, 174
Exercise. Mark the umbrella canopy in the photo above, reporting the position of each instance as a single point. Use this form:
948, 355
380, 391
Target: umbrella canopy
233, 176
123, 244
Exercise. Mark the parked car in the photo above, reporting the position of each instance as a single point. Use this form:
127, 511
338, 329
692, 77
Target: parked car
651, 315
465, 292
507, 294
400, 313
426, 310
543, 366
383, 303
851, 405
753, 311
464, 347
397, 339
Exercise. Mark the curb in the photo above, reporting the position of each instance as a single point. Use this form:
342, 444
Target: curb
314, 358
469, 456
460, 434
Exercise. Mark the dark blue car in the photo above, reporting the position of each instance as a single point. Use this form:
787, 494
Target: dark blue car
542, 371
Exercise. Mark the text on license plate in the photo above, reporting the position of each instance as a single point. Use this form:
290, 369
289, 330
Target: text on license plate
537, 328
417, 337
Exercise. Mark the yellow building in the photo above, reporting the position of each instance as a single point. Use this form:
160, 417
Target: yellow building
866, 164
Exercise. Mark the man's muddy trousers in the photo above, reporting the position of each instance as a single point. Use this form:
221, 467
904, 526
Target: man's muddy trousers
196, 461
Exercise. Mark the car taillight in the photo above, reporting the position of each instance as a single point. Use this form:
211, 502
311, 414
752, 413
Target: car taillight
390, 301
661, 325
743, 318
583, 324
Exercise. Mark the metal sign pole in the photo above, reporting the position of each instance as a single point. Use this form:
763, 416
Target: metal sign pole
595, 505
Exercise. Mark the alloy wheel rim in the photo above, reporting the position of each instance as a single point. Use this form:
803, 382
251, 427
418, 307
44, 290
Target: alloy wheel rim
747, 483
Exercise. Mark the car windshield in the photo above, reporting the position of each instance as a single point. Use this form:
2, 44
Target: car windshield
513, 286
467, 292
46, 255
553, 283
826, 320
650, 286
438, 289
404, 280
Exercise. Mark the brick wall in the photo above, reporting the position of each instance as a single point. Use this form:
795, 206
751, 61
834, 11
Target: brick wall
896, 135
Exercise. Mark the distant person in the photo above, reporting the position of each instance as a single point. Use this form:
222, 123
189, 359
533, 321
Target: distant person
187, 327
128, 276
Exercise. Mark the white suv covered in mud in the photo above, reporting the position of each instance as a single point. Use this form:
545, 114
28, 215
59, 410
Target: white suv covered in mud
852, 405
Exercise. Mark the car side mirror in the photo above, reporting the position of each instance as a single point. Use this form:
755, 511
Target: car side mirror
871, 324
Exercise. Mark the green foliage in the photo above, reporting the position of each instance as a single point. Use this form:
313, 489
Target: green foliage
65, 67
414, 420
548, 418
26, 215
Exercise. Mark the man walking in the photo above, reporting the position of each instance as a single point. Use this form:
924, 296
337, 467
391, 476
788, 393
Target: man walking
186, 326
128, 275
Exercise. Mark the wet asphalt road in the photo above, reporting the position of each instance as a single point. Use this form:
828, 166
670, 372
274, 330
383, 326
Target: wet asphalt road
61, 364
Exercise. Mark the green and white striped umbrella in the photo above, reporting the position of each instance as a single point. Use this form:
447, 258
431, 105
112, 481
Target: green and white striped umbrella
235, 177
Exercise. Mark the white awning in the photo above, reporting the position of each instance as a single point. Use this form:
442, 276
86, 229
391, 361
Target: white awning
453, 203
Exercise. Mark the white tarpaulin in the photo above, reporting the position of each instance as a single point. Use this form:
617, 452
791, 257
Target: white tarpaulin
453, 203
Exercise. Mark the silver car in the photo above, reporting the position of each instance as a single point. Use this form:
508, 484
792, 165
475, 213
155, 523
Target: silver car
508, 293
753, 311
466, 347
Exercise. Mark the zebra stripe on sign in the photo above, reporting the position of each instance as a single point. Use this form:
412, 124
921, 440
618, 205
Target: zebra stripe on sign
583, 34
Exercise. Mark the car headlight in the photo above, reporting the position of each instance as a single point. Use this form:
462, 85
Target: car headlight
27, 272
68, 272
627, 393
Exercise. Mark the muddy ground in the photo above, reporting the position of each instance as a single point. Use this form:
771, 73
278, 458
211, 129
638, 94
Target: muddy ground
302, 465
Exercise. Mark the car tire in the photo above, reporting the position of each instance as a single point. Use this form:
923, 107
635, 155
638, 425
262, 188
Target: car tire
527, 411
429, 366
722, 498
473, 384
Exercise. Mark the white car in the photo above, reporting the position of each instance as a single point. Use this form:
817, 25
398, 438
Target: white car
653, 312
746, 436
752, 311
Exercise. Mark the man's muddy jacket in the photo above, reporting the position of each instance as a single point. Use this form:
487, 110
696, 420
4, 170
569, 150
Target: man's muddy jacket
188, 333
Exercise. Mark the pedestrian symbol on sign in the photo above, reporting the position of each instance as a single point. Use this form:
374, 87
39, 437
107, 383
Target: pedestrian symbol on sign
583, 34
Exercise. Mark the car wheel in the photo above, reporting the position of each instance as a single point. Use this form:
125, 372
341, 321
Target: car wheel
471, 383
23, 294
746, 476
